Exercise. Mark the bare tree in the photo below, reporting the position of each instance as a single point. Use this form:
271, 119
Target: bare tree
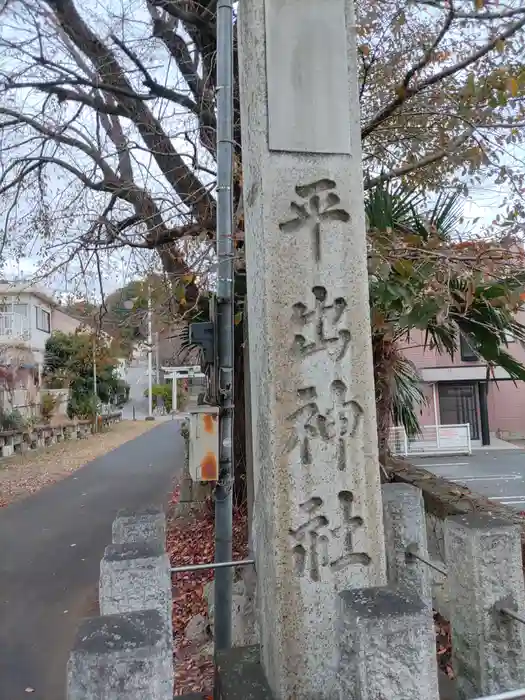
107, 119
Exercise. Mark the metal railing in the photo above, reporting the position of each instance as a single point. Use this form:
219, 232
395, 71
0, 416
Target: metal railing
433, 440
411, 554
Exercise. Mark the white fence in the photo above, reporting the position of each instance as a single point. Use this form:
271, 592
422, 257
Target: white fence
433, 440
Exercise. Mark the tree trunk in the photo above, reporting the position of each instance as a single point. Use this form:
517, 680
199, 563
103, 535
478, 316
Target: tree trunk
381, 348
239, 419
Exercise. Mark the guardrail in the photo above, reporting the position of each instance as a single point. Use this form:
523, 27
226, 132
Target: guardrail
432, 440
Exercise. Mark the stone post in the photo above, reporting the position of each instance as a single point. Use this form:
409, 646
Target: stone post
484, 568
136, 576
121, 656
387, 646
405, 530
317, 526
148, 523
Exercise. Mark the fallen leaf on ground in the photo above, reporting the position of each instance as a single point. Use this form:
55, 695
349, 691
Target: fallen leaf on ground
443, 644
192, 542
22, 475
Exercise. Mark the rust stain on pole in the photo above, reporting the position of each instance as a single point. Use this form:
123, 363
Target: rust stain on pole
209, 470
210, 423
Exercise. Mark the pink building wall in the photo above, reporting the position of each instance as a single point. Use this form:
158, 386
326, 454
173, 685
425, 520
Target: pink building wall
505, 399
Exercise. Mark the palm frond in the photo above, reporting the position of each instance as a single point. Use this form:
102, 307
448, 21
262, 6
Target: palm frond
407, 396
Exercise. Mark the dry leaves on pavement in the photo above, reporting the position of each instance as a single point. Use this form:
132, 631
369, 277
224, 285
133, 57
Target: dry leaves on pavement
25, 474
443, 644
192, 542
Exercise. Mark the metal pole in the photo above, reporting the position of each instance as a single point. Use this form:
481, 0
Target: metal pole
150, 359
510, 695
157, 363
223, 491
95, 396
215, 565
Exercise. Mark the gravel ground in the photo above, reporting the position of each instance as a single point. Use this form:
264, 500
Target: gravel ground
25, 474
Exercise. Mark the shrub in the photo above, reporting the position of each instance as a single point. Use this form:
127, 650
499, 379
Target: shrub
12, 420
82, 407
162, 392
48, 404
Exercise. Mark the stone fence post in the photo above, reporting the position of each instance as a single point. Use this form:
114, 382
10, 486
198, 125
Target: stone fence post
121, 657
127, 653
139, 525
136, 576
484, 566
405, 530
387, 646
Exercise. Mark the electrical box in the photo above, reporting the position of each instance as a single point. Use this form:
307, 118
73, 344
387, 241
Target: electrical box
204, 443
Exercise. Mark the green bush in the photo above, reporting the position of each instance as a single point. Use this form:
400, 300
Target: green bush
12, 420
48, 404
83, 407
163, 392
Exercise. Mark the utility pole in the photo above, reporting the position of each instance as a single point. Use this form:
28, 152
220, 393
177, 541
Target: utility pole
157, 359
95, 396
225, 327
150, 359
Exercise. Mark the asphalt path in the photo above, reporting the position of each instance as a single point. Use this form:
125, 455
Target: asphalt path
50, 549
496, 474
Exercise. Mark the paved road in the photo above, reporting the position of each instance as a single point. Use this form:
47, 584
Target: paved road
497, 474
50, 550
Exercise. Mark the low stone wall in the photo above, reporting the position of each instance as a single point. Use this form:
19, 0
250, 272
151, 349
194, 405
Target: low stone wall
444, 499
127, 652
38, 436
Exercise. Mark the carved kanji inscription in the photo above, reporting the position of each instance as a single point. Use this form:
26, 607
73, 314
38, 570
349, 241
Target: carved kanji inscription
319, 206
316, 546
320, 327
341, 421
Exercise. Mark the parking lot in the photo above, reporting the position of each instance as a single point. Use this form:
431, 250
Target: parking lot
496, 474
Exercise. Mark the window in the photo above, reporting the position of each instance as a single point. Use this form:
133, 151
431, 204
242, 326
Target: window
43, 320
509, 338
468, 354
20, 309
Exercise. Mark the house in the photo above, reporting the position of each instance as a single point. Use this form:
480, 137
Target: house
458, 391
28, 315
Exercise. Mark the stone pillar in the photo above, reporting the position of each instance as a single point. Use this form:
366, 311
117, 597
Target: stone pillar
135, 576
121, 656
405, 529
317, 526
388, 647
484, 568
136, 525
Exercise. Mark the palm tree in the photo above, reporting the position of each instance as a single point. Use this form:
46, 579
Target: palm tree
421, 277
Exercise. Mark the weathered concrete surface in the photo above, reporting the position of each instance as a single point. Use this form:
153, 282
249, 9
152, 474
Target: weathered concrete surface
318, 515
121, 656
240, 675
51, 545
148, 523
136, 576
485, 571
387, 646
405, 530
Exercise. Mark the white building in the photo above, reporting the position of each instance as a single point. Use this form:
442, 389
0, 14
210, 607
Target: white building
25, 319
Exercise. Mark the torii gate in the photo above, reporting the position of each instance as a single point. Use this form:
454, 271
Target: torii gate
176, 373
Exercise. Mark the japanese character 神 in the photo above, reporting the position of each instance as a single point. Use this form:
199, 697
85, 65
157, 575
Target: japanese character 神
341, 421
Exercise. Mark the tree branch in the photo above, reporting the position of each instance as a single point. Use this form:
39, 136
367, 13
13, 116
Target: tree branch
189, 188
427, 160
406, 92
